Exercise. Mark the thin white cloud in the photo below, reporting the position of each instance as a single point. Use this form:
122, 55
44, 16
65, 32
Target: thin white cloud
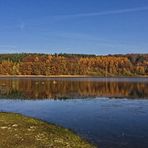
39, 21
120, 11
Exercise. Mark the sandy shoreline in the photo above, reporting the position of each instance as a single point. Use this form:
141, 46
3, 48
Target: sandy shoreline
43, 76
66, 76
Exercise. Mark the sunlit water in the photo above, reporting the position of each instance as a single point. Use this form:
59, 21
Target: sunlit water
108, 112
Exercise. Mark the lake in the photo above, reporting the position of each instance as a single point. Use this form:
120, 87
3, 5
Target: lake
109, 112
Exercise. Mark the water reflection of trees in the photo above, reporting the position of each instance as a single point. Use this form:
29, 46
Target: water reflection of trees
43, 89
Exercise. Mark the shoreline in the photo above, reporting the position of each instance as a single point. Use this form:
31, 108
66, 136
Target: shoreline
18, 130
67, 76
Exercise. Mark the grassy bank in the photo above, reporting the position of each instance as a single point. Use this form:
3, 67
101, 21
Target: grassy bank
20, 131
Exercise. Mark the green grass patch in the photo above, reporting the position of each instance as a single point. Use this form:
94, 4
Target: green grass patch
24, 132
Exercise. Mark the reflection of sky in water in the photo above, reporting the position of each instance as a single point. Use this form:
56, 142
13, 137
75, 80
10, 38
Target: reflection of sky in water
107, 122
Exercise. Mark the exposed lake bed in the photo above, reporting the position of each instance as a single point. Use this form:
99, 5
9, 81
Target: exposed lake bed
109, 113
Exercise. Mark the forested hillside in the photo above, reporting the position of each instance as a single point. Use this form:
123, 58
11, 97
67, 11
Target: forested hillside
74, 64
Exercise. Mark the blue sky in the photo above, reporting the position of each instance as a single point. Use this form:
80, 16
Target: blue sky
74, 26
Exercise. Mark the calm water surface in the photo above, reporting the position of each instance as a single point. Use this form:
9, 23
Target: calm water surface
108, 112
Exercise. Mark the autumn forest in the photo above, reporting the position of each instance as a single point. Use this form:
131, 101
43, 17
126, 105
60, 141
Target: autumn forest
74, 64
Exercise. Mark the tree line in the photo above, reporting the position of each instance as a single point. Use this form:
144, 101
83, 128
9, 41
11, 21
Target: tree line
74, 64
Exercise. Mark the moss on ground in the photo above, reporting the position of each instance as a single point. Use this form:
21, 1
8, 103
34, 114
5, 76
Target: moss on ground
18, 131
